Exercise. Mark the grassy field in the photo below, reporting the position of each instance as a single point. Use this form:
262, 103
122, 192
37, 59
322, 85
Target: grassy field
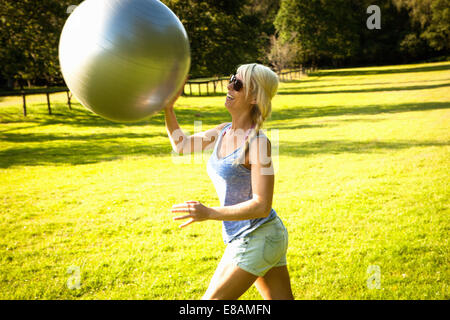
361, 185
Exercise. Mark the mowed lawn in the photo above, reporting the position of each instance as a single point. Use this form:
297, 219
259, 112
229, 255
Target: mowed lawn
362, 158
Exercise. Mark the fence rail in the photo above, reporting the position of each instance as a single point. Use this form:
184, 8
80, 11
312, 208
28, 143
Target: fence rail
194, 87
219, 85
46, 91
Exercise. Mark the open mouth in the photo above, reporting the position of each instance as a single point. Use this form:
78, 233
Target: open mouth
229, 97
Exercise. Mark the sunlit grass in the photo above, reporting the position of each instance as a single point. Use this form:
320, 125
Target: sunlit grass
362, 179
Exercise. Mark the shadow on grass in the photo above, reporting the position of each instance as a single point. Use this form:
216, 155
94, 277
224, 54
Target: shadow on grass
68, 147
321, 124
357, 84
295, 90
349, 146
81, 117
97, 151
303, 80
375, 71
78, 153
285, 126
300, 112
31, 149
46, 137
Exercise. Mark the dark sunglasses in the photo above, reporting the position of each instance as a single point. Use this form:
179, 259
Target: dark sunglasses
237, 84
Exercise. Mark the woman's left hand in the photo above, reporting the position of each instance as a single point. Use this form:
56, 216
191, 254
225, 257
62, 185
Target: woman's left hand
196, 211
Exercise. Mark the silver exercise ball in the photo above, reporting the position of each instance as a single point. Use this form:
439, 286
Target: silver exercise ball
124, 59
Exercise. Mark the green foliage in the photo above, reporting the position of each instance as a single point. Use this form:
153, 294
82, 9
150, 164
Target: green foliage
324, 30
226, 33
437, 33
384, 45
29, 36
430, 19
334, 32
223, 34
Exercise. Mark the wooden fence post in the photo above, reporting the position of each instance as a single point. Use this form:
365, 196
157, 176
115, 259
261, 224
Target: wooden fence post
69, 96
48, 103
24, 104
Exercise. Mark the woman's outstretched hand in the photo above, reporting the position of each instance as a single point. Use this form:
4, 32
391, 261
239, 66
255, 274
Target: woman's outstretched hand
194, 209
171, 103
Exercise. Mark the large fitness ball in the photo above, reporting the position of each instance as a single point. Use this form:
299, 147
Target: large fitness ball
124, 59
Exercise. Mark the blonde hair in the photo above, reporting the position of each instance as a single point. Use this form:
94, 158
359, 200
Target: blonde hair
262, 83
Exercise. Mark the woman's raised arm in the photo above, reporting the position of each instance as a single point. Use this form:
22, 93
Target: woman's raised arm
183, 144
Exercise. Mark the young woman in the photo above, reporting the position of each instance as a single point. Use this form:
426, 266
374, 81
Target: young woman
242, 173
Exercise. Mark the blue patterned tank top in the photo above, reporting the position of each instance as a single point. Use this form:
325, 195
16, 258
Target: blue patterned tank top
233, 185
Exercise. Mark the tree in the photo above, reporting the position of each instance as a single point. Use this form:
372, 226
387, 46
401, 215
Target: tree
325, 30
382, 46
430, 19
282, 54
29, 36
334, 32
266, 11
222, 34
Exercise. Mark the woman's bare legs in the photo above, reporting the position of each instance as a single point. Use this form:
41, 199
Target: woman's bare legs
229, 282
275, 285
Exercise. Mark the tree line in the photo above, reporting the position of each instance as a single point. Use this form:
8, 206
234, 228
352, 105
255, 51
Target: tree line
335, 32
226, 33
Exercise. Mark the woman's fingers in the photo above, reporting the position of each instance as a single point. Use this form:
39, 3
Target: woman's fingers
182, 217
180, 210
185, 217
185, 207
186, 223
180, 205
184, 204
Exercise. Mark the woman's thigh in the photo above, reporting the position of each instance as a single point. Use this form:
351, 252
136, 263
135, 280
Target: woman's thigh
245, 259
229, 282
275, 284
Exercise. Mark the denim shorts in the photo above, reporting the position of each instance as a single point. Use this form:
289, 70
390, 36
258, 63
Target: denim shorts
261, 250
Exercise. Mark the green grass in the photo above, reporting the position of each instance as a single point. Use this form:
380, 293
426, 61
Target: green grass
362, 179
